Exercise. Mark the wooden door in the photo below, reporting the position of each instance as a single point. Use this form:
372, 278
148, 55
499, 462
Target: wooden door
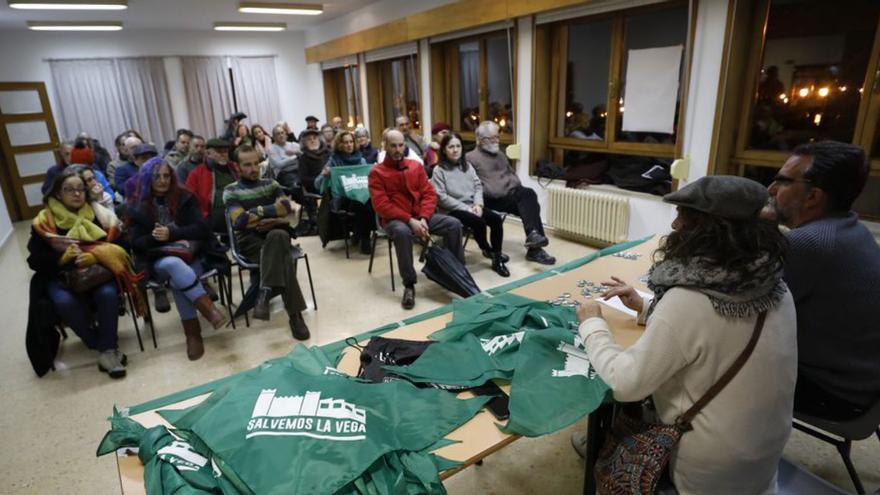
29, 141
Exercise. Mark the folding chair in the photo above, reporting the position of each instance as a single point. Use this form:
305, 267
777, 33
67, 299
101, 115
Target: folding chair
377, 234
466, 231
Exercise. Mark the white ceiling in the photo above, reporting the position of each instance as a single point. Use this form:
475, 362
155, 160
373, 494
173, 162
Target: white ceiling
179, 15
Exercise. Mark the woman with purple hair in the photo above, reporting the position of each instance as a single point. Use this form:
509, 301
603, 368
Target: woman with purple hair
167, 229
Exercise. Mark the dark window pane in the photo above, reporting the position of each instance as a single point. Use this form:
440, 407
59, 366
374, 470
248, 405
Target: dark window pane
352, 96
586, 82
498, 64
400, 91
868, 203
655, 29
469, 82
812, 72
875, 149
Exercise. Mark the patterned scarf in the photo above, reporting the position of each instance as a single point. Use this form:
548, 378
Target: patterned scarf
93, 241
734, 294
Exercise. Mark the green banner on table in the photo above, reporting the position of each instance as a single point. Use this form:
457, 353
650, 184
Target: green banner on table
349, 182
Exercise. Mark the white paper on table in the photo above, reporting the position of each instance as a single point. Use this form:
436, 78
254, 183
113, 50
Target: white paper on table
651, 89
617, 304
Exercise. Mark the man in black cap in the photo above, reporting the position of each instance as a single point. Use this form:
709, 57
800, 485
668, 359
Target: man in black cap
139, 156
208, 180
315, 153
231, 124
832, 270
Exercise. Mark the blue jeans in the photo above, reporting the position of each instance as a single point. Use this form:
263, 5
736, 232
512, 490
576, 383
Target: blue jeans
184, 281
72, 308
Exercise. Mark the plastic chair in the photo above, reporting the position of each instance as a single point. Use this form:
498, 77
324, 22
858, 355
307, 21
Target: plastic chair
858, 428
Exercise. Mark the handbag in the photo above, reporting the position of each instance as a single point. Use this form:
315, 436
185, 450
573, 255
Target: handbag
637, 452
84, 279
183, 249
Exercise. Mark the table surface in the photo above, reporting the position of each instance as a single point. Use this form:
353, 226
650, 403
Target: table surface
479, 437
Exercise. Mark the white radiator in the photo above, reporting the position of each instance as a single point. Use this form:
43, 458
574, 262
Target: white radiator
593, 215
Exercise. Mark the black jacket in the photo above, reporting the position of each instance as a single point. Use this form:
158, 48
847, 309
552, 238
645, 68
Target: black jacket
311, 164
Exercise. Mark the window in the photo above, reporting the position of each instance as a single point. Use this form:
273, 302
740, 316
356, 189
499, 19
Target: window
473, 81
801, 71
393, 91
342, 95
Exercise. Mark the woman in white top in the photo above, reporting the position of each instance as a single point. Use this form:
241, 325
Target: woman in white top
719, 268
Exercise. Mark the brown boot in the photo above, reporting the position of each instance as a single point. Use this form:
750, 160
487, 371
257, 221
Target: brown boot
207, 308
194, 346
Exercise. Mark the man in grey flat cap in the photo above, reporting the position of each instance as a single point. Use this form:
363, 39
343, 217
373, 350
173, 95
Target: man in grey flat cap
832, 270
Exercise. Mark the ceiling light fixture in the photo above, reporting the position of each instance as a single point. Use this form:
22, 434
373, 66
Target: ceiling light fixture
69, 4
75, 26
250, 26
280, 8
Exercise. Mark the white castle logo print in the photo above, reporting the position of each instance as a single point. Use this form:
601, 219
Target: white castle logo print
495, 344
577, 363
306, 415
353, 182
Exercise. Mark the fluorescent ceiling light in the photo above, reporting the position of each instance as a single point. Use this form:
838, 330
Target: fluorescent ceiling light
69, 4
249, 26
75, 26
280, 8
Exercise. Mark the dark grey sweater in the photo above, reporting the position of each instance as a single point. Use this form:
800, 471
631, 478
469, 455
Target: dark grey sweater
833, 272
494, 171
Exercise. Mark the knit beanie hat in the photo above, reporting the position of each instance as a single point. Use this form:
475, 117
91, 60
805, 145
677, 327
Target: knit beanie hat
82, 156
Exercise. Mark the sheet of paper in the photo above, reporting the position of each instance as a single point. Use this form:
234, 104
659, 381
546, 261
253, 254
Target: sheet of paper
617, 304
651, 89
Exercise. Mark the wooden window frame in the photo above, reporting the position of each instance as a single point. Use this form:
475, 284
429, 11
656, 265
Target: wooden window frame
376, 71
558, 46
336, 97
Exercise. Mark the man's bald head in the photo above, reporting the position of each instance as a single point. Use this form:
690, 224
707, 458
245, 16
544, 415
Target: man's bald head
394, 145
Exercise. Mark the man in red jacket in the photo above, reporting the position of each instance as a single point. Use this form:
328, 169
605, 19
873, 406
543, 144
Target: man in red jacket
208, 180
406, 202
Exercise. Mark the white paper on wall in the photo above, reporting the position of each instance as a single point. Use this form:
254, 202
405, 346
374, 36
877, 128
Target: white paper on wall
651, 89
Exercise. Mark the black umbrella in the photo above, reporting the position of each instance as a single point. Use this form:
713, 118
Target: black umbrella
248, 300
444, 268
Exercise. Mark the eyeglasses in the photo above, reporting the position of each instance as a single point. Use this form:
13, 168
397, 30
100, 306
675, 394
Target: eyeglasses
73, 190
781, 179
491, 139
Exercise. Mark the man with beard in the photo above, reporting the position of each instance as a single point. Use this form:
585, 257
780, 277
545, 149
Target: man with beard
832, 269
502, 191
208, 180
195, 158
181, 148
406, 203
315, 154
411, 142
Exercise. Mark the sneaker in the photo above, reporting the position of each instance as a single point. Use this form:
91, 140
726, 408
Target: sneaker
160, 298
261, 308
579, 442
298, 327
490, 255
409, 297
536, 240
122, 357
108, 362
538, 255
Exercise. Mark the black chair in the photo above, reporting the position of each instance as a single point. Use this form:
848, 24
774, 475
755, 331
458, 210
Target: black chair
224, 283
466, 231
377, 234
858, 428
244, 264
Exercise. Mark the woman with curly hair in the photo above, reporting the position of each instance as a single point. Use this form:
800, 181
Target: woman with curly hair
718, 288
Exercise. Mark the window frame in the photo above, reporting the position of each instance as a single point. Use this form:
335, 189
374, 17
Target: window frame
376, 73
336, 97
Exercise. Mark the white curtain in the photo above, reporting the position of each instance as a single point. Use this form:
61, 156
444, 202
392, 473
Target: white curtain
256, 89
104, 97
208, 93
469, 68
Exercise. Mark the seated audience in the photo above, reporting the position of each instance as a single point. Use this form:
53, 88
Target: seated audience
291, 136
258, 209
719, 269
208, 180
140, 155
102, 156
311, 124
368, 151
128, 140
407, 153
327, 134
64, 150
345, 155
70, 234
406, 202
161, 215
242, 136
193, 159
262, 141
832, 270
337, 124
95, 190
232, 122
284, 160
432, 151
181, 148
503, 191
412, 141
82, 155
460, 195
315, 154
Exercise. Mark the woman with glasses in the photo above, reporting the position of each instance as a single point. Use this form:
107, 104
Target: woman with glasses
167, 234
71, 238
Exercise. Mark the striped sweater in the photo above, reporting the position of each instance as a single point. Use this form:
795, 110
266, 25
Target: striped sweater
247, 202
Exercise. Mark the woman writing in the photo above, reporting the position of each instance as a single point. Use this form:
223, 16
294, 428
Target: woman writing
163, 217
715, 277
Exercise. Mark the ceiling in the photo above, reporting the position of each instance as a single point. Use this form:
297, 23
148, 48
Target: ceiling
179, 15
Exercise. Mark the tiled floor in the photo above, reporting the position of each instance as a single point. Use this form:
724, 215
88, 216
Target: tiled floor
50, 427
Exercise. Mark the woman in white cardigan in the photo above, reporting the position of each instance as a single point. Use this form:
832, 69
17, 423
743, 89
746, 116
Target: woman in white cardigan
719, 268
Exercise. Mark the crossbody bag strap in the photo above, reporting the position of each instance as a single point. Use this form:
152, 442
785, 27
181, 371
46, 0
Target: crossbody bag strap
686, 418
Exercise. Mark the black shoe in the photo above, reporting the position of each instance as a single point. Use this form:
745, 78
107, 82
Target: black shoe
160, 297
538, 255
536, 240
409, 298
298, 327
490, 255
209, 289
261, 308
498, 266
121, 309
